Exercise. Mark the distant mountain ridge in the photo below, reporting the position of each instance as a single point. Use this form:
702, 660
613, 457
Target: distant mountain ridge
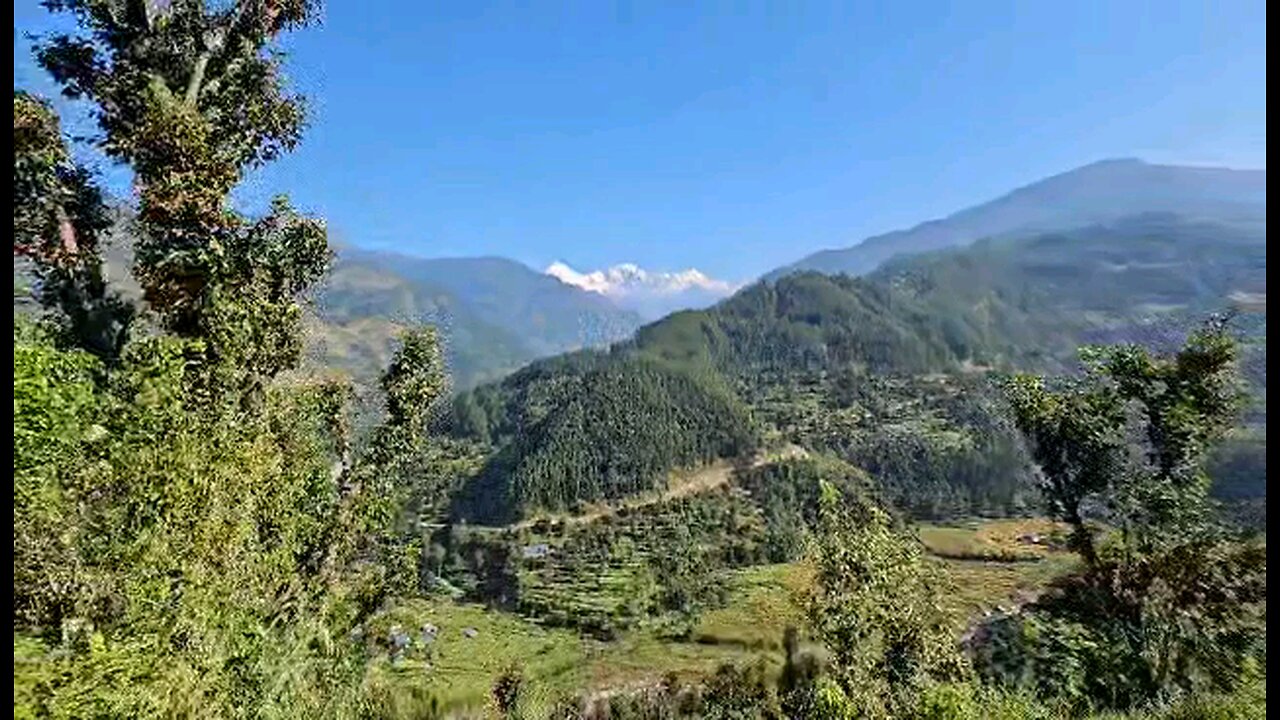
932, 321
1098, 193
494, 314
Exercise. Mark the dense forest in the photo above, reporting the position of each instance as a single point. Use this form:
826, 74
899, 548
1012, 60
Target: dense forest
206, 525
593, 426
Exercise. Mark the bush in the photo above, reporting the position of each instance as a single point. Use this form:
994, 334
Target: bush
1181, 623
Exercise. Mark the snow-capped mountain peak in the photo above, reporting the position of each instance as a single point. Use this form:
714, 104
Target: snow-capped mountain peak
651, 293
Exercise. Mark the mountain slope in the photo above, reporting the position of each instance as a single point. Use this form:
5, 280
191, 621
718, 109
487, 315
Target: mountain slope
878, 369
495, 314
1017, 302
1102, 192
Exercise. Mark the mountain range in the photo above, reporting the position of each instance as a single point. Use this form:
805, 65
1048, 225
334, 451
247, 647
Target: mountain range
497, 315
494, 314
1098, 193
889, 370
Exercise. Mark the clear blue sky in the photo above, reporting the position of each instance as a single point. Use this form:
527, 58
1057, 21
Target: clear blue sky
738, 136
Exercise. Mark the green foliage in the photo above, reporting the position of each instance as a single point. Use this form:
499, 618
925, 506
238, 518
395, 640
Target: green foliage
876, 608
58, 216
1020, 301
193, 535
732, 692
167, 560
196, 534
1171, 625
506, 693
658, 565
593, 427
835, 364
414, 381
788, 492
1175, 606
191, 96
1173, 407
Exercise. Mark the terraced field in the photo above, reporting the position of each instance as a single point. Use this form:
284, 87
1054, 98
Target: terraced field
456, 671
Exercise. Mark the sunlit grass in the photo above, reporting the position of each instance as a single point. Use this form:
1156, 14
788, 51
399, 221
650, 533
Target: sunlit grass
763, 601
458, 672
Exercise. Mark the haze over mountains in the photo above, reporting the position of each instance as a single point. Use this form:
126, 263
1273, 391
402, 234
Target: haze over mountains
494, 314
1098, 193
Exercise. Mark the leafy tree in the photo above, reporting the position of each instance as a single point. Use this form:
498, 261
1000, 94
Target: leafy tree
1175, 604
875, 607
193, 533
190, 95
415, 381
789, 493
58, 217
1173, 408
168, 561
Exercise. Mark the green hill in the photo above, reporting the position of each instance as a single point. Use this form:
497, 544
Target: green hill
886, 371
593, 426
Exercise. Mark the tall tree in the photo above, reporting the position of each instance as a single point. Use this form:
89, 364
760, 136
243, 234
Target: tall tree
1170, 409
1169, 601
191, 537
190, 95
876, 608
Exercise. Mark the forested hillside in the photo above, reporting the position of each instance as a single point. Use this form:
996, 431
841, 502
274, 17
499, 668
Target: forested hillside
807, 322
593, 426
889, 370
1005, 303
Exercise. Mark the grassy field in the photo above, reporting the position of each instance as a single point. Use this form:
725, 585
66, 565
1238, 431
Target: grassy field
990, 563
763, 601
456, 672
994, 539
987, 563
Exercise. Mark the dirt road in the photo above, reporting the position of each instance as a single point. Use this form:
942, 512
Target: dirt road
681, 484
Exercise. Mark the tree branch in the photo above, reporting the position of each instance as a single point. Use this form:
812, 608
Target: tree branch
197, 77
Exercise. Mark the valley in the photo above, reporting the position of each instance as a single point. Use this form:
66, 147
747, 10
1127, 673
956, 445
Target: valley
761, 603
639, 513
1005, 463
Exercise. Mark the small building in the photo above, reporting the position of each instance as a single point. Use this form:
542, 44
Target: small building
536, 551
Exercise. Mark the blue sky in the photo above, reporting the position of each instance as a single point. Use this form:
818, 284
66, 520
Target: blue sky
733, 137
